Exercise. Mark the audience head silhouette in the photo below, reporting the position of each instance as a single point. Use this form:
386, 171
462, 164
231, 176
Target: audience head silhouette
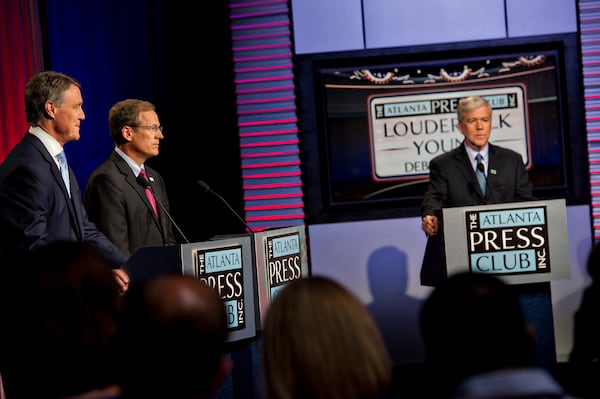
473, 323
584, 359
173, 334
69, 323
320, 342
593, 263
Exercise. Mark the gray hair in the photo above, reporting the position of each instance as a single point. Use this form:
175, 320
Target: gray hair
468, 104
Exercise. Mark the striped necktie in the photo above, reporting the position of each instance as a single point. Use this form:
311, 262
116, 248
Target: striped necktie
479, 171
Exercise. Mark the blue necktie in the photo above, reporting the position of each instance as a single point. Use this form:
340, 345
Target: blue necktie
479, 171
64, 170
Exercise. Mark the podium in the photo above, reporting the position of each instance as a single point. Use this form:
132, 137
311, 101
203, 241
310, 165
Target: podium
247, 270
523, 243
226, 264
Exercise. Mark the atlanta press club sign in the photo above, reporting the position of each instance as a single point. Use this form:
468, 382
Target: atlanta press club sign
408, 130
522, 242
508, 241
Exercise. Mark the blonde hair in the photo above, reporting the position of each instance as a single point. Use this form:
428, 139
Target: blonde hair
319, 341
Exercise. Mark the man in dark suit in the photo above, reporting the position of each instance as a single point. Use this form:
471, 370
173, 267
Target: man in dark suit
37, 207
453, 181
115, 198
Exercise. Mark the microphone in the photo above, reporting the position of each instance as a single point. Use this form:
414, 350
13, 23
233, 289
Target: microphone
141, 180
207, 189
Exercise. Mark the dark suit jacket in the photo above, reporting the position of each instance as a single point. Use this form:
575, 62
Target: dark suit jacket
118, 205
35, 208
452, 183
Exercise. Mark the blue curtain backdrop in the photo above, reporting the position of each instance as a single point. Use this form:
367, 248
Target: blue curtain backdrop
114, 49
150, 50
123, 49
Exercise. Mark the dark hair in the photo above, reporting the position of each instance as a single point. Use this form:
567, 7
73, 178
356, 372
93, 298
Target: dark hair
45, 86
74, 301
126, 113
319, 341
475, 320
173, 332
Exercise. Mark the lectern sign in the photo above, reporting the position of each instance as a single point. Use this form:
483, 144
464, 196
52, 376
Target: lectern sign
226, 264
281, 257
222, 269
508, 241
408, 130
521, 242
284, 260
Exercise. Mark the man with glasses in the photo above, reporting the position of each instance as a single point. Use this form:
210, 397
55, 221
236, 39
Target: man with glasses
125, 198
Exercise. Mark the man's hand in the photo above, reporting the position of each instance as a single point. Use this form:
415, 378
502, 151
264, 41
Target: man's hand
430, 225
122, 279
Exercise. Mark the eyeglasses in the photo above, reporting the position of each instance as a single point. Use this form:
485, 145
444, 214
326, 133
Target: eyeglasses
153, 129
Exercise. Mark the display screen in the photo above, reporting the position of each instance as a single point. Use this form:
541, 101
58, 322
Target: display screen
379, 119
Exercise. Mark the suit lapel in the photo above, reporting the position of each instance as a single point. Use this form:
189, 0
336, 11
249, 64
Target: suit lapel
52, 165
130, 178
74, 213
492, 170
76, 204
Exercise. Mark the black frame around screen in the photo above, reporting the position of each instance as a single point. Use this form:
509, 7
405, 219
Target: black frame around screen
334, 133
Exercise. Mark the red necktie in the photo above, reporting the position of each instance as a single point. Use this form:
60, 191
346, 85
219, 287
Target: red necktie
149, 192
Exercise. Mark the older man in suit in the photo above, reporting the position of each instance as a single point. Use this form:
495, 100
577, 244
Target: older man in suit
453, 180
40, 204
40, 200
115, 197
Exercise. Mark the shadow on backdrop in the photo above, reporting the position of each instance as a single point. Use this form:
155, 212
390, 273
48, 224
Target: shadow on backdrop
395, 312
